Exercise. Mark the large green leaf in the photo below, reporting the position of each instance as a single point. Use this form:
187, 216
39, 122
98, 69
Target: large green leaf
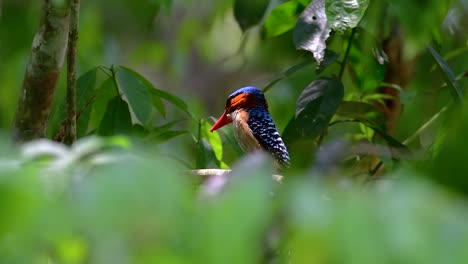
136, 93
281, 19
249, 13
157, 102
343, 14
312, 30
176, 101
104, 94
316, 106
117, 119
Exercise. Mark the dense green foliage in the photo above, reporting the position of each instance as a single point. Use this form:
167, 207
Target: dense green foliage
369, 96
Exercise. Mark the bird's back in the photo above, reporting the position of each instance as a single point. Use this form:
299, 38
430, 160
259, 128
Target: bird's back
255, 129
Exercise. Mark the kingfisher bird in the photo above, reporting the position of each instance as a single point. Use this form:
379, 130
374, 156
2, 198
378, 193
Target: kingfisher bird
254, 128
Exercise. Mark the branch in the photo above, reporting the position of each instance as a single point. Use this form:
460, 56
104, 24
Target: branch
348, 49
42, 72
70, 136
205, 173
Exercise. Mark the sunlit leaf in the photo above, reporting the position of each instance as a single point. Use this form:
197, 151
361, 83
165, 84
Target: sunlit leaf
214, 139
136, 94
117, 119
344, 14
316, 106
281, 19
249, 13
312, 30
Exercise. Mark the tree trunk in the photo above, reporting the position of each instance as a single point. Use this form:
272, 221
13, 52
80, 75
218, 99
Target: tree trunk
42, 72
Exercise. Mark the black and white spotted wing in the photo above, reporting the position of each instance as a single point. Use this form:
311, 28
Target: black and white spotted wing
264, 130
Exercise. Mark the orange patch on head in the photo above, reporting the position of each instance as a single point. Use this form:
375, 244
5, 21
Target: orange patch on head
243, 100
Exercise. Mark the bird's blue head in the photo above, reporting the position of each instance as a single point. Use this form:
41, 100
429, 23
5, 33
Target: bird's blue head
243, 98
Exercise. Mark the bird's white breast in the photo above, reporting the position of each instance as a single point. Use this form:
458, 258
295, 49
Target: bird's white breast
242, 132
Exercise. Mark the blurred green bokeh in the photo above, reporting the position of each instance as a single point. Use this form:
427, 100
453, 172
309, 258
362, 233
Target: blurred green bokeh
130, 199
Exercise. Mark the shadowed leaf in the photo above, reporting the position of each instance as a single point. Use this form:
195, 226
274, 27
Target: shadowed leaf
136, 93
156, 100
316, 106
249, 13
117, 118
448, 73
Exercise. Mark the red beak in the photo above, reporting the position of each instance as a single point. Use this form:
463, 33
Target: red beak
222, 121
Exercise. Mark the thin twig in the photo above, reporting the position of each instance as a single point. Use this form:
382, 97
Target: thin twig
345, 58
70, 135
425, 125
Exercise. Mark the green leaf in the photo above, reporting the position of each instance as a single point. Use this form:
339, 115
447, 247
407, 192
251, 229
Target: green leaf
249, 13
365, 112
312, 30
291, 133
316, 106
281, 19
304, 2
344, 14
214, 139
448, 74
156, 100
176, 101
136, 93
117, 119
104, 94
165, 132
